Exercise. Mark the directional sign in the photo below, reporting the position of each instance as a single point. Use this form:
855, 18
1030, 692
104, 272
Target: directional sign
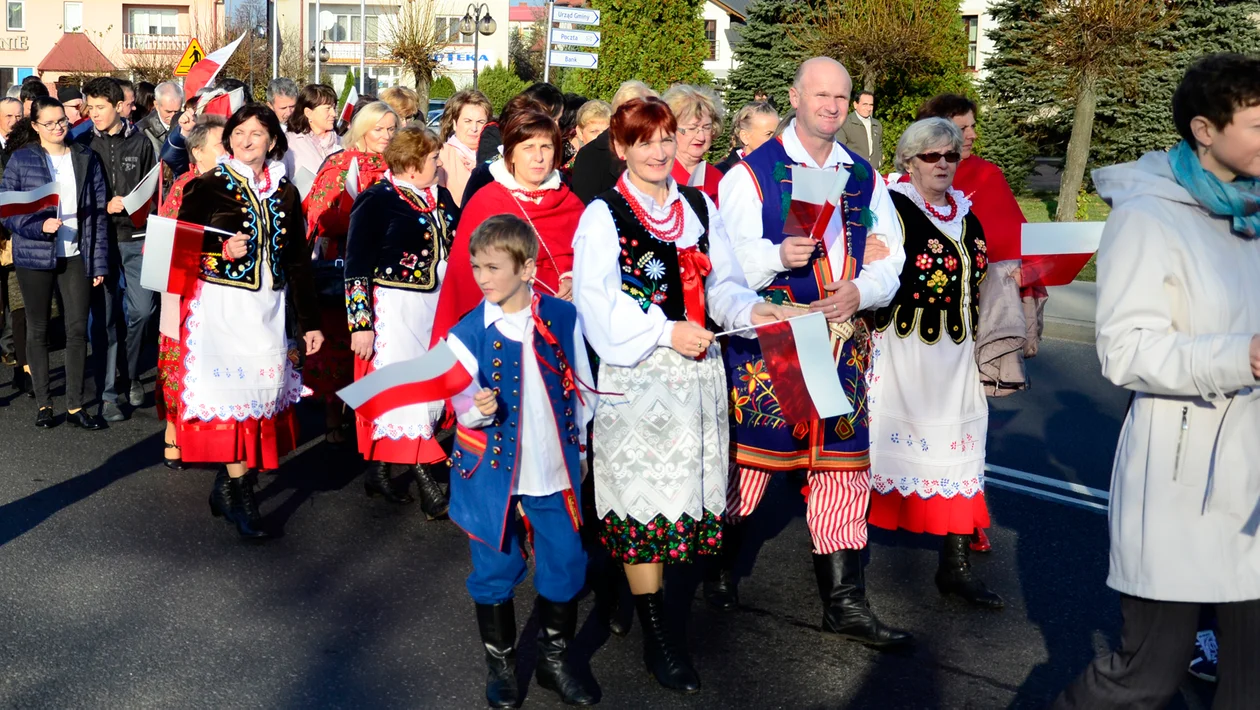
574, 15
580, 60
193, 54
579, 38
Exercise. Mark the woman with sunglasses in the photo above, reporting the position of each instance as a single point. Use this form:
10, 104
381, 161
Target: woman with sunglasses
60, 247
929, 416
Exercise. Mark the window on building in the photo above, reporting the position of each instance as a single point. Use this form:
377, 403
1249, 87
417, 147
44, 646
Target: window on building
153, 21
971, 23
347, 28
73, 17
17, 15
449, 27
710, 37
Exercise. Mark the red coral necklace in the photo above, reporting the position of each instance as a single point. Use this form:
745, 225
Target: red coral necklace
427, 197
953, 209
669, 229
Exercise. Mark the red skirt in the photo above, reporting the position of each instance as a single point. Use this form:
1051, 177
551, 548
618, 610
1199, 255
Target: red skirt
169, 383
332, 367
935, 515
404, 451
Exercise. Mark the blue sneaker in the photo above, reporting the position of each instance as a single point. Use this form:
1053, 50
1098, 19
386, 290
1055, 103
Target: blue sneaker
1203, 666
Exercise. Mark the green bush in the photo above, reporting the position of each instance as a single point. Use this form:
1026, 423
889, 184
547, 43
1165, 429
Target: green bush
442, 88
499, 83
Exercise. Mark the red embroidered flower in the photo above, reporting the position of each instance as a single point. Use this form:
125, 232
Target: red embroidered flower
924, 261
951, 264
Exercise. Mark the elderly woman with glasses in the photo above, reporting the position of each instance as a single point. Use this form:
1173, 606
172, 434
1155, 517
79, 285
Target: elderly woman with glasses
929, 416
699, 114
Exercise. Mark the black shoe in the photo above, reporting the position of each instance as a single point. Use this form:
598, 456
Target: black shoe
377, 482
176, 464
720, 590
243, 509
954, 574
220, 495
44, 418
83, 420
557, 624
497, 623
846, 612
663, 651
135, 397
432, 500
612, 595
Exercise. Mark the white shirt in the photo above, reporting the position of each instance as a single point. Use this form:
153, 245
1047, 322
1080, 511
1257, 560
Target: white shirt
866, 123
540, 467
741, 208
62, 169
620, 331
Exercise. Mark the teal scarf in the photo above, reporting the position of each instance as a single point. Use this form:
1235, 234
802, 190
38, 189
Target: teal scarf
1238, 200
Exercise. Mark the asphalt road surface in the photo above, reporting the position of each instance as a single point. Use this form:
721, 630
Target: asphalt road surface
118, 590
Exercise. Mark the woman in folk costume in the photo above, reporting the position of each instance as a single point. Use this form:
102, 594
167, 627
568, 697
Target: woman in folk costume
698, 111
327, 207
204, 142
929, 415
466, 115
653, 273
239, 375
401, 229
526, 184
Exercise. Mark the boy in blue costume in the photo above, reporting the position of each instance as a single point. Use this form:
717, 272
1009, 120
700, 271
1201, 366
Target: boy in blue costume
520, 444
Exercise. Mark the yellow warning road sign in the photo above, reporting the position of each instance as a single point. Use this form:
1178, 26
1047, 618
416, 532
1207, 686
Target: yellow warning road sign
192, 55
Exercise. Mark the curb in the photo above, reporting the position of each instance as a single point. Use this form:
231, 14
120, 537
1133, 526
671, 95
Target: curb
1070, 312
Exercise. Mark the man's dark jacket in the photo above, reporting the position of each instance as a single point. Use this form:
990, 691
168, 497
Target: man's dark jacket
127, 157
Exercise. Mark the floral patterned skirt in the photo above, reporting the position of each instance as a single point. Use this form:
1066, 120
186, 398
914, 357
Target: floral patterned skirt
168, 378
632, 542
332, 367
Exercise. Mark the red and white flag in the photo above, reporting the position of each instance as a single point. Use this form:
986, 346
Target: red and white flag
1055, 252
433, 377
223, 104
347, 109
204, 71
802, 369
814, 210
139, 202
172, 255
352, 180
28, 202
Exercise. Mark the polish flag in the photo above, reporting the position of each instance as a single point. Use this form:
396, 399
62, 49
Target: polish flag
352, 180
224, 104
347, 109
204, 71
802, 369
433, 377
139, 202
28, 202
1055, 252
172, 255
816, 196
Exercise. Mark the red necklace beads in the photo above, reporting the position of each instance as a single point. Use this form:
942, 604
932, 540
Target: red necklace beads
953, 209
534, 196
669, 229
265, 185
427, 197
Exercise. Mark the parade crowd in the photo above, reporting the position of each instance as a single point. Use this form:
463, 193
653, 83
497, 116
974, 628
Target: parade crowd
603, 285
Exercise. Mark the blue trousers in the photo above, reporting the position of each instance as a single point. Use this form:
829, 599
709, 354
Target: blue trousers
559, 560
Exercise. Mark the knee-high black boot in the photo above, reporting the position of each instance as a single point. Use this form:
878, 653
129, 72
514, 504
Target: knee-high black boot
220, 496
720, 586
846, 612
377, 482
497, 623
954, 574
557, 624
664, 651
433, 501
243, 508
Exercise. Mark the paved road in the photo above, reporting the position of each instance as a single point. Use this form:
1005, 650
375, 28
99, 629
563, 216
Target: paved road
118, 590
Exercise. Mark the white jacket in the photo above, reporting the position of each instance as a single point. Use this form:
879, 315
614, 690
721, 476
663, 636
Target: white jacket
1178, 304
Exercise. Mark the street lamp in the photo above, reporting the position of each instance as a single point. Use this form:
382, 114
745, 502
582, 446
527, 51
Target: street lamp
323, 57
477, 21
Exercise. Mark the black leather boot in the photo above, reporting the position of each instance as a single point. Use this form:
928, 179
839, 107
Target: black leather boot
497, 623
23, 383
377, 482
616, 595
243, 511
432, 500
846, 612
220, 497
954, 575
663, 652
557, 624
720, 590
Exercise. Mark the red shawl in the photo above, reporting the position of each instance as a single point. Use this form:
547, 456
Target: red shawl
994, 205
556, 220
712, 176
327, 206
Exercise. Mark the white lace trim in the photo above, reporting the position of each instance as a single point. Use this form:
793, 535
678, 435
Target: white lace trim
964, 204
925, 488
275, 169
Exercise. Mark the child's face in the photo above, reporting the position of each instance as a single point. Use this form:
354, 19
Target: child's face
498, 276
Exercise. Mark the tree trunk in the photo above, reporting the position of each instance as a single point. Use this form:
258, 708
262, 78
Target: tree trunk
1078, 148
422, 94
868, 80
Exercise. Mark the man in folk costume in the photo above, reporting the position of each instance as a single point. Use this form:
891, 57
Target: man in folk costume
856, 272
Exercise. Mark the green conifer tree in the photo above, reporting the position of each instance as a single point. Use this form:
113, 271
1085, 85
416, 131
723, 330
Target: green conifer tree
659, 42
767, 55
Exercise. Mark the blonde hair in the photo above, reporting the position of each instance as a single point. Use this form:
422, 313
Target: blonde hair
593, 110
687, 101
744, 117
404, 101
633, 89
455, 106
365, 119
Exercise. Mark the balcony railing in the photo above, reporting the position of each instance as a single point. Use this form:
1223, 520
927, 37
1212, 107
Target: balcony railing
155, 43
350, 51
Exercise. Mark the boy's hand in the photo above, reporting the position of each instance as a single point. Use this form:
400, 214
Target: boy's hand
486, 402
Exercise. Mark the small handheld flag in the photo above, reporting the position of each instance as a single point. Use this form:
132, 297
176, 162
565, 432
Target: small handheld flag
433, 377
14, 202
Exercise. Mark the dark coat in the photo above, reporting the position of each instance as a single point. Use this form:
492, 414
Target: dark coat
732, 159
127, 157
32, 247
596, 169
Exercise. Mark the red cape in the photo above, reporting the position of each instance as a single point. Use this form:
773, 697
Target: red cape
556, 220
994, 205
712, 176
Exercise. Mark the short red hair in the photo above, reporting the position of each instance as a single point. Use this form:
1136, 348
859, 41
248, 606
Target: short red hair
524, 125
640, 120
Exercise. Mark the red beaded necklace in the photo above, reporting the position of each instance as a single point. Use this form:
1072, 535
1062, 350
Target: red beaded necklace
669, 229
953, 209
427, 197
534, 196
265, 185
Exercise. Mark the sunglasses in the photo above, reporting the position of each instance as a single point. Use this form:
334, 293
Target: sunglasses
950, 157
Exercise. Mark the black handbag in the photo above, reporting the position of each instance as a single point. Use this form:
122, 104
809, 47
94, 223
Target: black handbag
330, 278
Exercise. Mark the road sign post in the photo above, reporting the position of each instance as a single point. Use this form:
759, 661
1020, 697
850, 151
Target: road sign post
192, 54
568, 37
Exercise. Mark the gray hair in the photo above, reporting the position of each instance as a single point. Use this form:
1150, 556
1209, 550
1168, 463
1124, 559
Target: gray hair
15, 92
687, 101
629, 90
925, 134
168, 89
13, 99
281, 86
199, 134
743, 118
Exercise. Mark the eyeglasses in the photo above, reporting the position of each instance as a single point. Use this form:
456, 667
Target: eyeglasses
705, 130
950, 157
48, 126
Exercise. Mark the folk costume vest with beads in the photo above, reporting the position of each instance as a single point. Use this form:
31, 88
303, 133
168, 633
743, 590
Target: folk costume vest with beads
483, 461
262, 220
760, 437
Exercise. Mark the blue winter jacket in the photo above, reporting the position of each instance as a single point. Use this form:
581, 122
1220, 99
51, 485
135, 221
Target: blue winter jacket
32, 247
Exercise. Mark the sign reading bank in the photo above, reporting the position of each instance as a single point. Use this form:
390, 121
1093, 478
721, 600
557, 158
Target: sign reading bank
463, 60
